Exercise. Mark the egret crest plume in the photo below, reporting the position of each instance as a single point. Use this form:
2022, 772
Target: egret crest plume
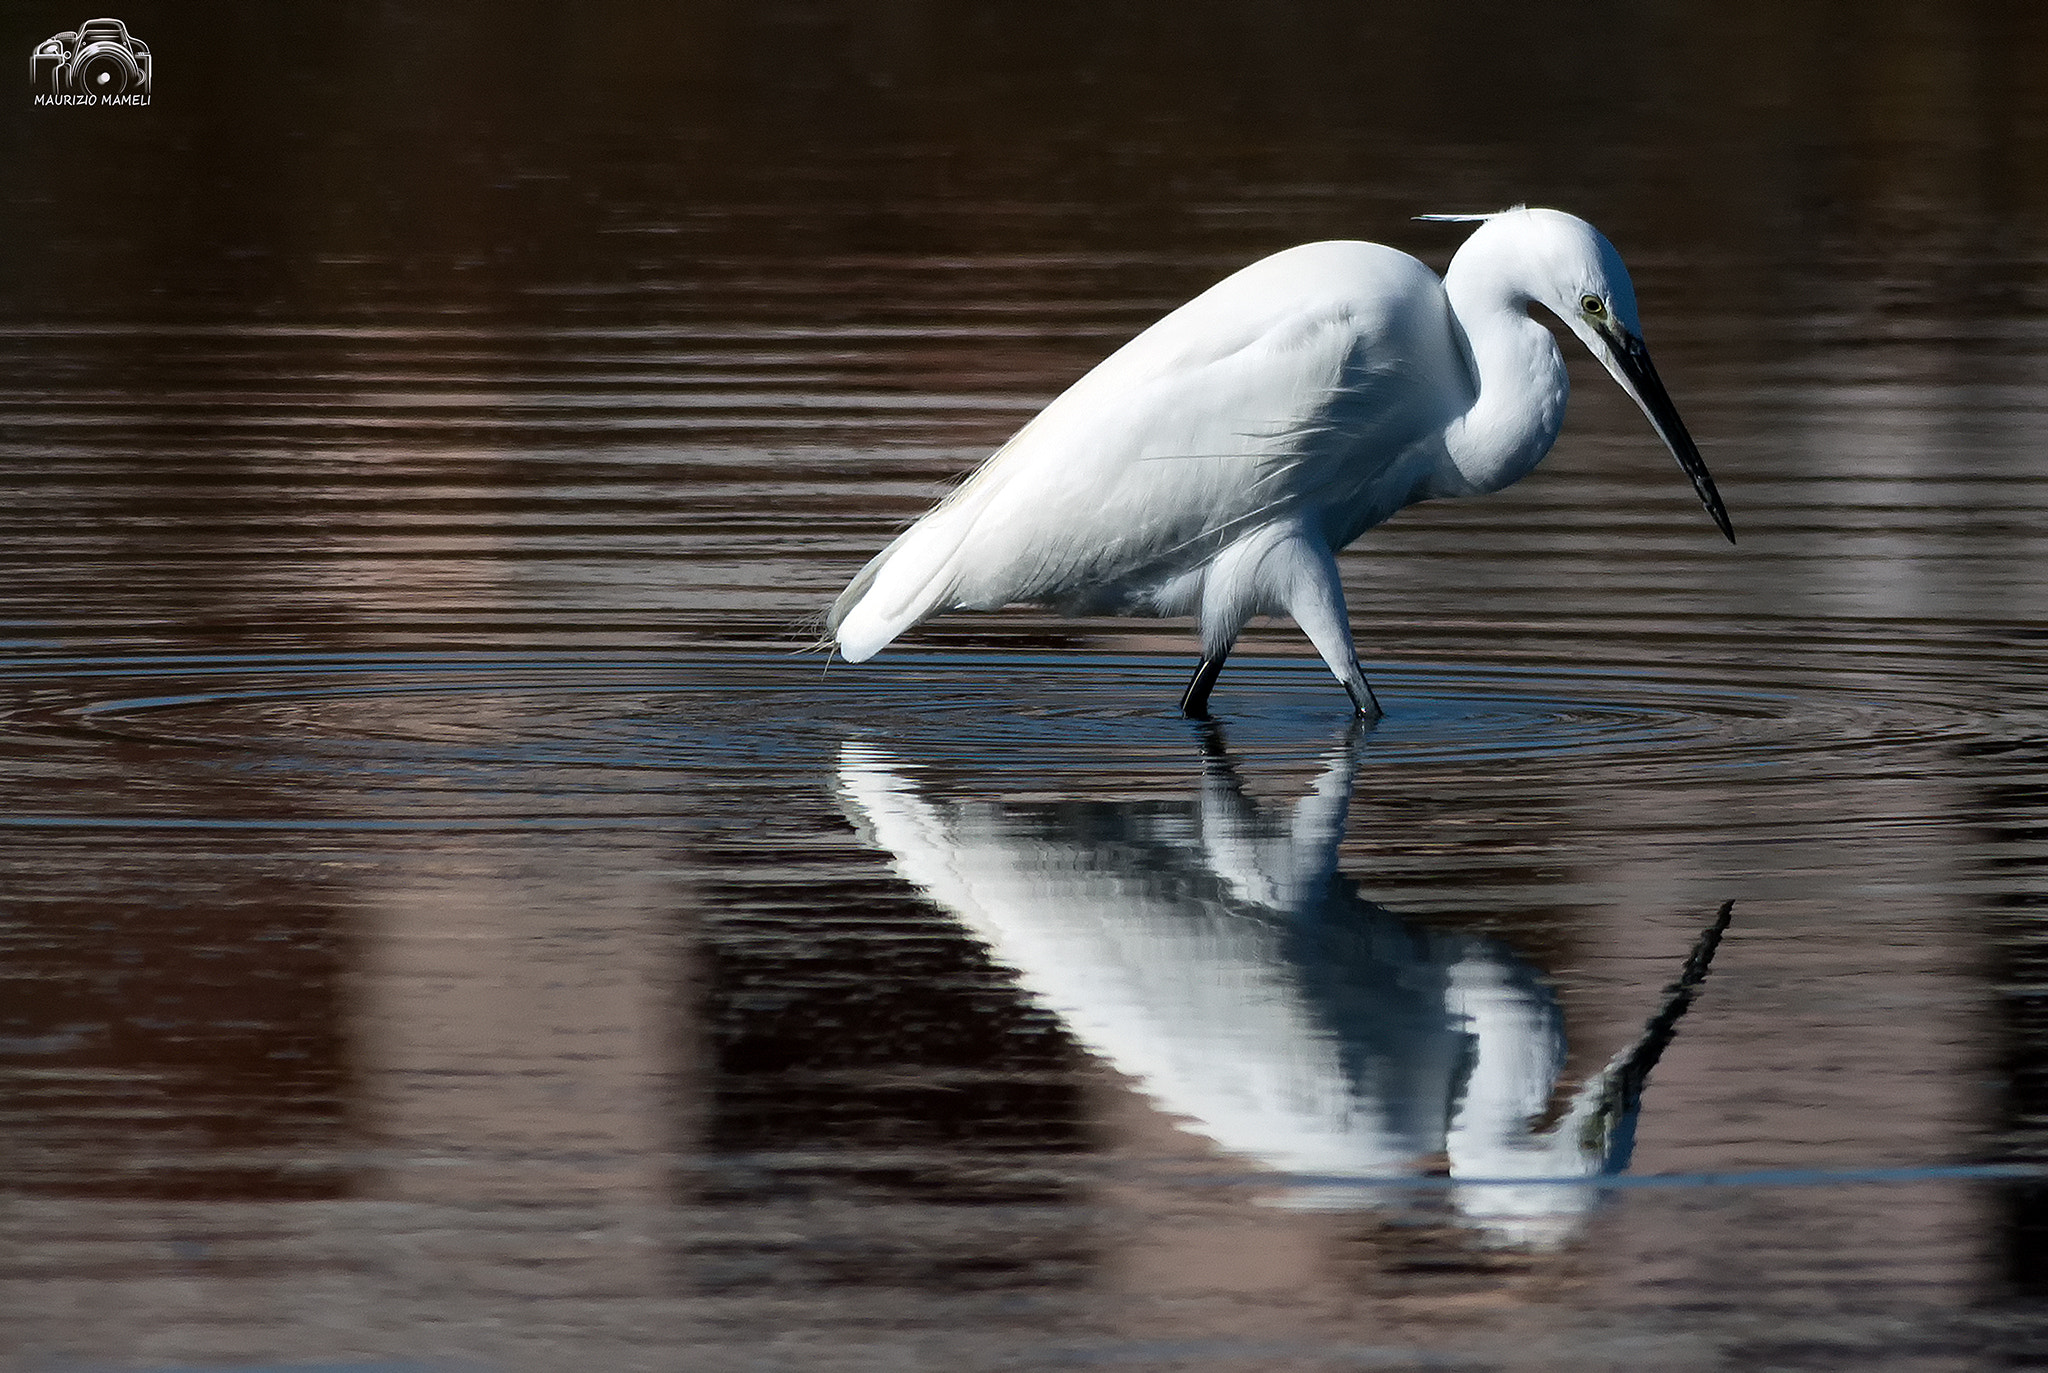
1469, 219
1300, 401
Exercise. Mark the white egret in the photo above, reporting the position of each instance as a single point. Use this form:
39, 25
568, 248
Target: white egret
1210, 950
1216, 463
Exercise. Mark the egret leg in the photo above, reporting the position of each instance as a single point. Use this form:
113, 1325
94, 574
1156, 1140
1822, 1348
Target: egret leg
1317, 604
1363, 701
1194, 702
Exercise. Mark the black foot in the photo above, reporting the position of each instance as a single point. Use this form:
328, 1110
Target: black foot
1194, 702
1367, 705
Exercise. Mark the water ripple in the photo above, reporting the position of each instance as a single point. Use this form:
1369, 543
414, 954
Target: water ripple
539, 735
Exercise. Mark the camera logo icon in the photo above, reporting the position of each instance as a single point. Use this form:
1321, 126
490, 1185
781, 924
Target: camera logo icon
98, 60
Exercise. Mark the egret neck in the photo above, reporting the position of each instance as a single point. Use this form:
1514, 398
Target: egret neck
1517, 372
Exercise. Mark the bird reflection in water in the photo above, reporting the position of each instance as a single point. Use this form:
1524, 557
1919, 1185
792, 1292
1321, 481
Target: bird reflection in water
1211, 951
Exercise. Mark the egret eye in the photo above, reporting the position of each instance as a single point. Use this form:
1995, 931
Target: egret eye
1592, 306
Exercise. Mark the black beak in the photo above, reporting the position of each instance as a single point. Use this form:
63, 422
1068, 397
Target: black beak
1636, 373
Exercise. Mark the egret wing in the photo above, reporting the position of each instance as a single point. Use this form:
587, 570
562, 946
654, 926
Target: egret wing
1306, 386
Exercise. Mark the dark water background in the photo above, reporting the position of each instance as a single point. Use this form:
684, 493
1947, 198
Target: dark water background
443, 921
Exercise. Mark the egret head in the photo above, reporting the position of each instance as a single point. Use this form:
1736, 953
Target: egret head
1567, 266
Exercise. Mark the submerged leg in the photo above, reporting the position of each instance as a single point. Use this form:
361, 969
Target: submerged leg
1316, 601
1224, 615
1194, 702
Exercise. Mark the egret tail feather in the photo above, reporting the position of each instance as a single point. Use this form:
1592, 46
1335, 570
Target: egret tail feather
910, 580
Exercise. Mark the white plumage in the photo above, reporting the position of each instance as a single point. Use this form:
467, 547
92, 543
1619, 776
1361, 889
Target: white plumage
1210, 951
1216, 463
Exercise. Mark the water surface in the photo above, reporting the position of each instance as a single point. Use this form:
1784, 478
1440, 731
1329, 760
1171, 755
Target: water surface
449, 916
